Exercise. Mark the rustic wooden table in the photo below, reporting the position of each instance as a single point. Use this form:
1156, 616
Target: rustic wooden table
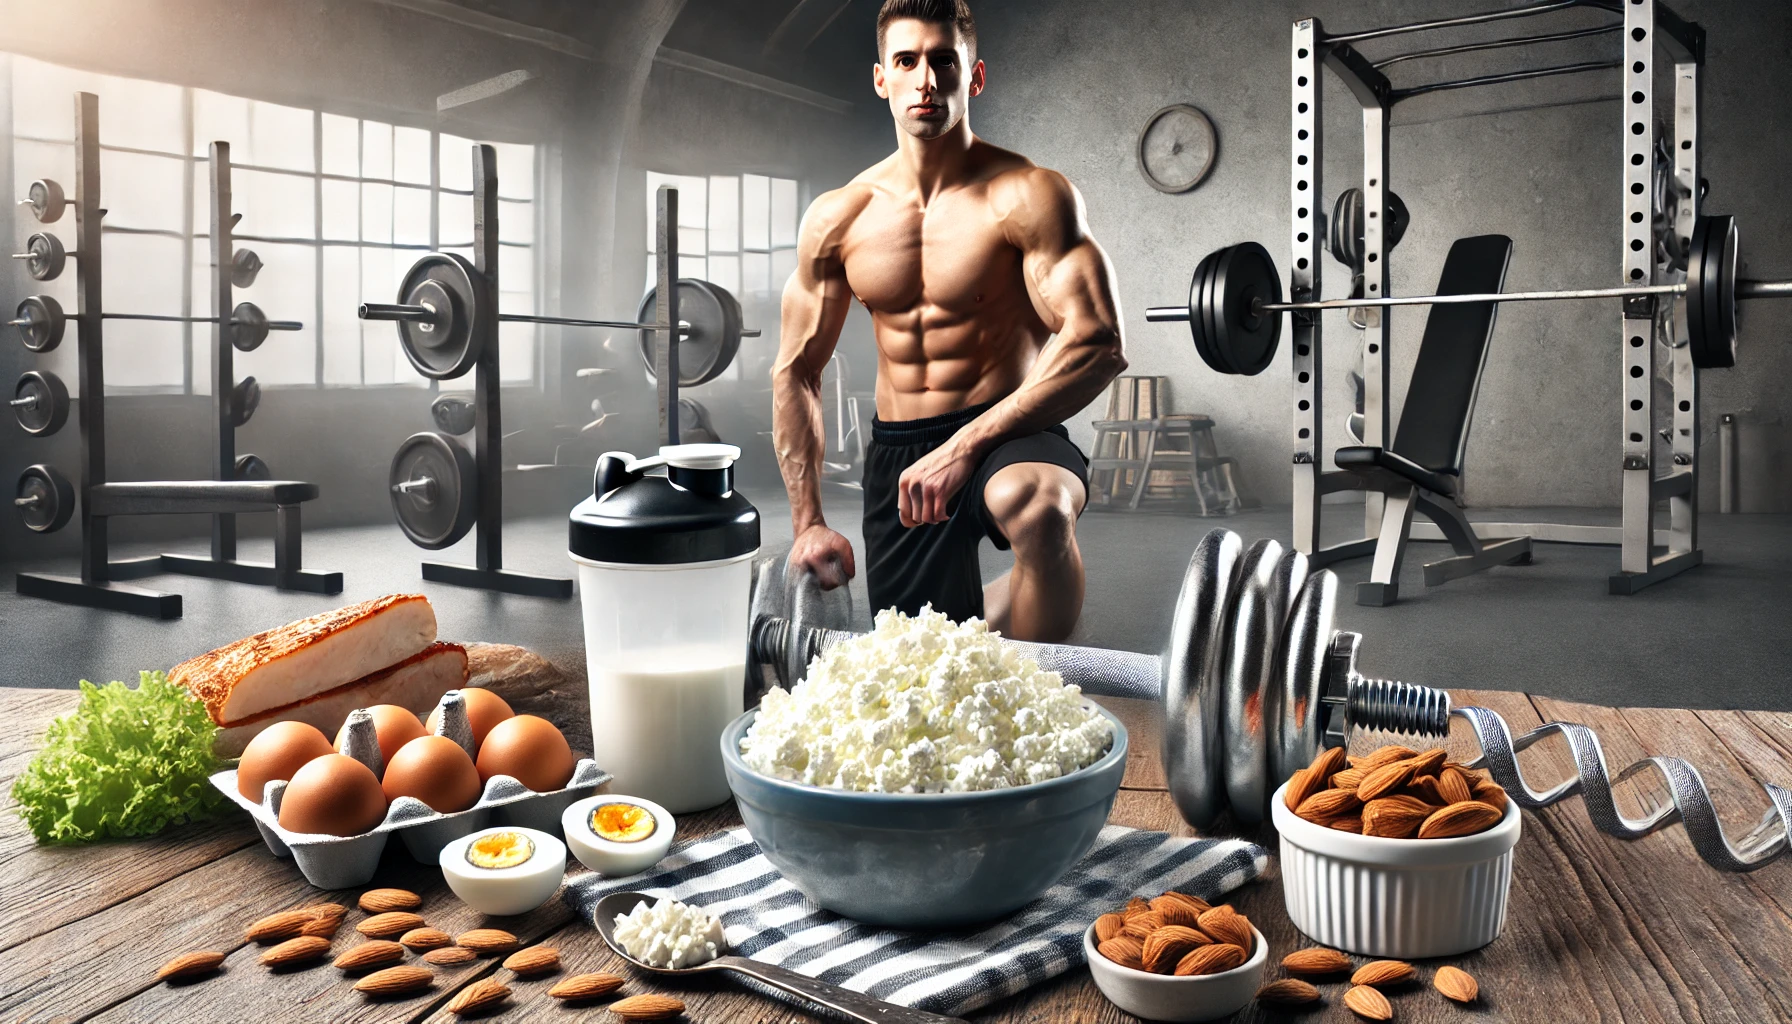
1598, 929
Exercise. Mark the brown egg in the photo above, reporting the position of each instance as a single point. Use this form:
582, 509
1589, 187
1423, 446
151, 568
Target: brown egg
435, 770
278, 752
484, 710
333, 795
529, 750
395, 726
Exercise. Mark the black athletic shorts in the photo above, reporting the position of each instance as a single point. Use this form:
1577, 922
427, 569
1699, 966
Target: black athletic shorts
936, 563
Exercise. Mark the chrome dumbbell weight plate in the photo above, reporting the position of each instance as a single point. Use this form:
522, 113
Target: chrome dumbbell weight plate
453, 414
448, 343
252, 467
44, 499
709, 335
46, 200
40, 322
245, 398
40, 402
434, 485
1269, 579
44, 256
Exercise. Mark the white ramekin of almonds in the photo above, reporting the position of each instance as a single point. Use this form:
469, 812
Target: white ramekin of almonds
1399, 853
1175, 958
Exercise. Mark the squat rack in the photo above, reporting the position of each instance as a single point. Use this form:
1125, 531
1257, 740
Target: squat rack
1645, 23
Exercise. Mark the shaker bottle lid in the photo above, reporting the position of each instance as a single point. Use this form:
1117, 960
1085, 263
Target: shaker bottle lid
692, 514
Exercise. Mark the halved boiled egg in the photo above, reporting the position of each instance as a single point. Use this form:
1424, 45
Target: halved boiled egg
618, 835
504, 870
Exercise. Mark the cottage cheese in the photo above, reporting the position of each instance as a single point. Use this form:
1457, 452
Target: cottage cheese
923, 705
670, 934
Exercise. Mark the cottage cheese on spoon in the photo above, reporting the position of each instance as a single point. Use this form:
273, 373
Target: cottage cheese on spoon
670, 934
923, 705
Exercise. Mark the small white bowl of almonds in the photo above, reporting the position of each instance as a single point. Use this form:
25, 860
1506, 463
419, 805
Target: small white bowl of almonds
1398, 853
1175, 958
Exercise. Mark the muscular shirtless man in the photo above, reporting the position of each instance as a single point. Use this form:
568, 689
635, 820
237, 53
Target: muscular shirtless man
995, 319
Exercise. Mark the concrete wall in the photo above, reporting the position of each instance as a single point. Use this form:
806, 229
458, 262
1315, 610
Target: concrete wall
1072, 83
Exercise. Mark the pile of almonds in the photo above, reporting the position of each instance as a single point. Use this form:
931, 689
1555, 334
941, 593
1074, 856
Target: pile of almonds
392, 927
1395, 793
1365, 997
1175, 934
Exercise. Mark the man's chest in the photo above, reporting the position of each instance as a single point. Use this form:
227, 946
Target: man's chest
951, 255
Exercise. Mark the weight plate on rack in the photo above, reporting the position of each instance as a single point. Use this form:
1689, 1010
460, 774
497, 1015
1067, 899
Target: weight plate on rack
252, 467
40, 321
48, 398
248, 327
447, 346
711, 337
453, 413
47, 256
245, 398
1344, 232
45, 499
46, 200
1244, 338
1711, 293
434, 486
245, 265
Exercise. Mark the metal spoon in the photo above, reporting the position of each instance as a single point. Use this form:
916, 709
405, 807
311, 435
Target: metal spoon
853, 1004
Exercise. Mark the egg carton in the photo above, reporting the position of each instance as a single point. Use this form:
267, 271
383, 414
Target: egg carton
343, 862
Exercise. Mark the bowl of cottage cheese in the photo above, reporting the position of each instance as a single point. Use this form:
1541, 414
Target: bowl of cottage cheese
924, 775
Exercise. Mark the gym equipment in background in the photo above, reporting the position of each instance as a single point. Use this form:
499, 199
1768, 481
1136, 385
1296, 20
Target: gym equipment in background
46, 500
447, 316
1140, 449
1255, 681
1686, 302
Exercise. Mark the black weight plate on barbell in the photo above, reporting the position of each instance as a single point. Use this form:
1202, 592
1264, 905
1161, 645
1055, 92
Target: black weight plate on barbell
1245, 338
1210, 309
55, 504
437, 515
252, 467
1729, 256
709, 344
453, 413
51, 409
1197, 312
44, 321
449, 350
1711, 261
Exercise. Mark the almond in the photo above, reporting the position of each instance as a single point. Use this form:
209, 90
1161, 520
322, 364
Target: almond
1455, 984
1425, 789
1490, 793
1140, 925
477, 996
322, 927
585, 986
373, 953
1349, 778
422, 940
1329, 762
1125, 951
1453, 786
1464, 819
488, 941
1328, 803
381, 901
1135, 906
1367, 1003
1107, 926
1302, 784
1287, 992
396, 981
1167, 946
1350, 823
448, 956
190, 965
1226, 925
1174, 910
534, 960
389, 925
1383, 972
1201, 906
277, 927
1386, 755
1430, 762
1395, 817
321, 910
647, 1007
1211, 959
1316, 960
303, 949
1385, 779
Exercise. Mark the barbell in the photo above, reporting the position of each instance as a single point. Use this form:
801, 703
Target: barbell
1254, 681
444, 314
1235, 301
40, 321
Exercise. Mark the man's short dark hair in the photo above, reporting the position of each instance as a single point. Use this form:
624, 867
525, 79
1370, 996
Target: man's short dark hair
956, 13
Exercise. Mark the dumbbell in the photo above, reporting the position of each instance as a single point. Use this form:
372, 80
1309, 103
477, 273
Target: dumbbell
40, 321
1254, 682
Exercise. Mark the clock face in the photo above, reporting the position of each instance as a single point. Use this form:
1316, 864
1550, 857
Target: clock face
1176, 148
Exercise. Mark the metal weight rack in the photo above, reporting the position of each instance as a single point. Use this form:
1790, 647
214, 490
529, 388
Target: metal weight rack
45, 499
1644, 26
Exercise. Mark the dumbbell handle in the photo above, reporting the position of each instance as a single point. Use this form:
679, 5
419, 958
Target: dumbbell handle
27, 401
27, 501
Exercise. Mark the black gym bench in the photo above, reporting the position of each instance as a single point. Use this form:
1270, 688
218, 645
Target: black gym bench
1422, 469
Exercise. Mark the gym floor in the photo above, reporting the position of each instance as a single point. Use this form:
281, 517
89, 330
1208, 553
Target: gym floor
1716, 637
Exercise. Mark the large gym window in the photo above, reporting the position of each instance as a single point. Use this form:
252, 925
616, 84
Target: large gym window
738, 231
337, 207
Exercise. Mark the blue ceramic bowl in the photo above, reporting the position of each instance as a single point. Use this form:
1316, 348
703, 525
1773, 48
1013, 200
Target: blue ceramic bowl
925, 860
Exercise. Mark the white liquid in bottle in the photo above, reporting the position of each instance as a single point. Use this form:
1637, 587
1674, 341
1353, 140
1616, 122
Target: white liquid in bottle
657, 716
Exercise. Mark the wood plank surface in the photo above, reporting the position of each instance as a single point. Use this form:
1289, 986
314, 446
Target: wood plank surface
1599, 930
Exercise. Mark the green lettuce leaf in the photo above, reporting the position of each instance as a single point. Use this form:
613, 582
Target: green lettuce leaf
126, 762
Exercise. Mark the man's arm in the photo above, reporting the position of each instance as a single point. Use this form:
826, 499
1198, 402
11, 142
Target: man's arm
816, 301
1071, 284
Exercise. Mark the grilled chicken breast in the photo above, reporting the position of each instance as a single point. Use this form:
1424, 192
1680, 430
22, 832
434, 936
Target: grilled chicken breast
416, 683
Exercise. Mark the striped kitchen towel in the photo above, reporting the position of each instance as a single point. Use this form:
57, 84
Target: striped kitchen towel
768, 919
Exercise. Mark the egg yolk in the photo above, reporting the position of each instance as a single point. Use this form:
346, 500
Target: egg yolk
623, 823
500, 850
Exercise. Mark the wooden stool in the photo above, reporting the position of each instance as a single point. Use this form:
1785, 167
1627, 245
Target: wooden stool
1138, 448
